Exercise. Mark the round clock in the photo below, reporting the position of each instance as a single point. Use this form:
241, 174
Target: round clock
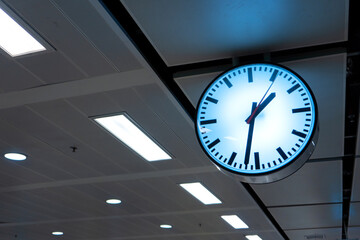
258, 121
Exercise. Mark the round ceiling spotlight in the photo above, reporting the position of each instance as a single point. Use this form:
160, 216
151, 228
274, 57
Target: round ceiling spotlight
113, 201
57, 233
15, 156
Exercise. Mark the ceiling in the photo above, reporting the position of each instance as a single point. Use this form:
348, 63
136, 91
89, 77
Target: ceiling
152, 60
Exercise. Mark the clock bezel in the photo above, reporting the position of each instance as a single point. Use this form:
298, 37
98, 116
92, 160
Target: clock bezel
283, 171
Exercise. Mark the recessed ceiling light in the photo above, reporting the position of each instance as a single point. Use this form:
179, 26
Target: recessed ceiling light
165, 226
15, 156
123, 128
234, 221
113, 201
57, 233
14, 39
201, 193
253, 237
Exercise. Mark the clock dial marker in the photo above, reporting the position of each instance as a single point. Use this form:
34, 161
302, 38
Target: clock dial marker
227, 82
300, 110
274, 75
213, 100
211, 121
211, 145
257, 160
250, 75
281, 152
293, 88
299, 134
232, 157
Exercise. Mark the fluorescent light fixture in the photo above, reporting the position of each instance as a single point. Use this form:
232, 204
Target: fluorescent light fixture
165, 226
15, 156
234, 221
201, 193
15, 40
253, 237
57, 233
126, 131
113, 201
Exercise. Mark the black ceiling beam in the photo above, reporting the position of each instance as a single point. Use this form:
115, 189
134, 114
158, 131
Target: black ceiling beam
124, 20
351, 112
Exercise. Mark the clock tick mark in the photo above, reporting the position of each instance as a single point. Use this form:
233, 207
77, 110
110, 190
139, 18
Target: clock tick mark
232, 157
227, 82
307, 125
297, 145
290, 153
263, 166
211, 145
308, 114
293, 88
257, 160
305, 130
300, 110
250, 75
303, 94
301, 89
274, 75
285, 75
289, 78
213, 100
293, 149
274, 163
299, 134
307, 104
279, 160
300, 140
269, 165
293, 82
281, 152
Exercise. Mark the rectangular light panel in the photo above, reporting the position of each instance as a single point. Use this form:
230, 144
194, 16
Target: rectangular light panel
253, 237
201, 193
15, 40
234, 221
126, 131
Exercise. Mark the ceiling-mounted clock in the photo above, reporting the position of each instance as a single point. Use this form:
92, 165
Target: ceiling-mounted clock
258, 121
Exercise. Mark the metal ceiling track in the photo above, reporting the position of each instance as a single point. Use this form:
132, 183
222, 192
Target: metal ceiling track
168, 74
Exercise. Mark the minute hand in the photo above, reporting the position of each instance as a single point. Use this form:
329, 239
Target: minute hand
261, 107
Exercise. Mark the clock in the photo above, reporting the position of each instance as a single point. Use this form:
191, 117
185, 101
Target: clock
258, 121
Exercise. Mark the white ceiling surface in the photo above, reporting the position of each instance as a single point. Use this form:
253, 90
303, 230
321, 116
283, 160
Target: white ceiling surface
47, 101
191, 31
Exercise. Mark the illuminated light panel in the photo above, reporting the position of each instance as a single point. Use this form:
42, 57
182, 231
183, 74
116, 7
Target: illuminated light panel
57, 233
113, 201
167, 226
126, 131
15, 40
253, 237
15, 156
234, 221
201, 193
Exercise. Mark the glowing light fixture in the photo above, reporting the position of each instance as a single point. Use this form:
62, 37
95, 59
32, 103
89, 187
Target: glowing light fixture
14, 39
165, 226
234, 221
253, 237
201, 193
15, 156
123, 128
113, 201
57, 233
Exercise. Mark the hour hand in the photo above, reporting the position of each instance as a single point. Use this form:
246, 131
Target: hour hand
261, 107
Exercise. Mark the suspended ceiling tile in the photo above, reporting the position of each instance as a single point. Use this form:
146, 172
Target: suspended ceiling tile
308, 216
321, 233
354, 216
354, 233
326, 77
15, 77
84, 15
187, 31
355, 194
308, 185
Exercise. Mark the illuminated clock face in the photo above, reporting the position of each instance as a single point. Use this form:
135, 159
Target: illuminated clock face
256, 120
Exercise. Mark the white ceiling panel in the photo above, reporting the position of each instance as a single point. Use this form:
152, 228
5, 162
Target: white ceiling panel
188, 31
308, 216
309, 185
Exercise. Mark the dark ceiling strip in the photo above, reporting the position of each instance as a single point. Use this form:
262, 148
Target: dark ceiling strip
275, 56
351, 111
129, 26
138, 38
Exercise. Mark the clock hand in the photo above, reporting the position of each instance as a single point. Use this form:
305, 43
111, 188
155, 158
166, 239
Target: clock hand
260, 107
249, 138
